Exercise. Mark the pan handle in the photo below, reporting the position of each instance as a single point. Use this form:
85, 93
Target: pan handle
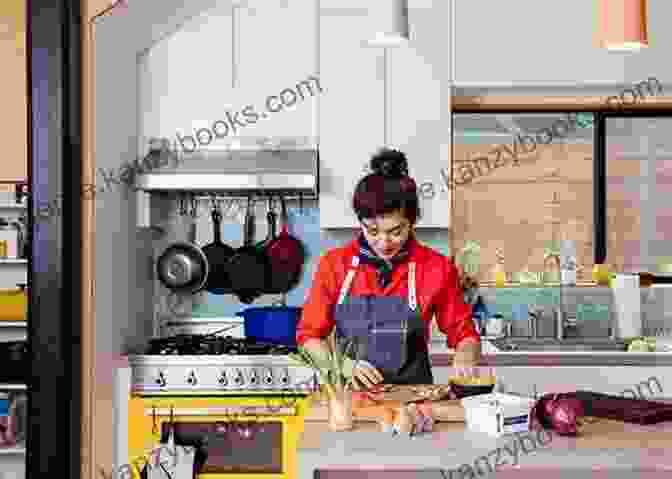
248, 234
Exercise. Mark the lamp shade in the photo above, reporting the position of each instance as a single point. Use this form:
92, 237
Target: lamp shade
623, 24
390, 18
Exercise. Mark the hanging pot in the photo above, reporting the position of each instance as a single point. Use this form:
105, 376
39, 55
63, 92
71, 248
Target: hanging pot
287, 256
183, 268
218, 255
249, 267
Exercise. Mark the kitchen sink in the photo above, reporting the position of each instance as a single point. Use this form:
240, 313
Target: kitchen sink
542, 344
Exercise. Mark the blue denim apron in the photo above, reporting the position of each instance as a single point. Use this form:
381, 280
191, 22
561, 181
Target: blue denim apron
386, 331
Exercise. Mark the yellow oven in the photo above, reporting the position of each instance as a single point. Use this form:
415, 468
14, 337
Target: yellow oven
250, 437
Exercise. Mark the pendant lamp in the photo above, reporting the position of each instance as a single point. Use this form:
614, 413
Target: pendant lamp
623, 25
390, 18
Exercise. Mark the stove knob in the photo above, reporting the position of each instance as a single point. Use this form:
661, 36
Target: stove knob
222, 379
254, 378
268, 377
161, 380
284, 379
192, 379
238, 379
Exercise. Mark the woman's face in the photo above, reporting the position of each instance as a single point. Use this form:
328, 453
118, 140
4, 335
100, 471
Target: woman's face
387, 233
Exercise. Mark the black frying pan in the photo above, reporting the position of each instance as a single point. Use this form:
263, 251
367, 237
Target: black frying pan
218, 255
249, 268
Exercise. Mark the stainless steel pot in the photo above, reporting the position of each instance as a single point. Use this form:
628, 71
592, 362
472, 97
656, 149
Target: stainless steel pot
183, 268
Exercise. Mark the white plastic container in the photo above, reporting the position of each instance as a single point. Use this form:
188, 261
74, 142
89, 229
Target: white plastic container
498, 414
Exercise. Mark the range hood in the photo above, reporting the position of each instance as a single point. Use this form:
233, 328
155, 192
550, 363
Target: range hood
242, 167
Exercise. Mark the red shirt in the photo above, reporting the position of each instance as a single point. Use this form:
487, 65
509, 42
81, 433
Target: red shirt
437, 287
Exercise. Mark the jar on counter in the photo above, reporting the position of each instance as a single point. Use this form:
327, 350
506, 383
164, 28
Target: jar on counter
6, 433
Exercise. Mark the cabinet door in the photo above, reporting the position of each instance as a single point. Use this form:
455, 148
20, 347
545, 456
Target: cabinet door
185, 80
351, 126
530, 42
419, 105
277, 67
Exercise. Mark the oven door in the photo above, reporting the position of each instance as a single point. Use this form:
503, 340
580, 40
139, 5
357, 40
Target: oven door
249, 438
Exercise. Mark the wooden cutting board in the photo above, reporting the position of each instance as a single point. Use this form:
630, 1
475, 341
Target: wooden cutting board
444, 410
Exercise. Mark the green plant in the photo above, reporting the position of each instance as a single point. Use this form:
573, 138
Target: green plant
332, 368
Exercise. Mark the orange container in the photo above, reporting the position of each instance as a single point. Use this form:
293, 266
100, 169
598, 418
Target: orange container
13, 304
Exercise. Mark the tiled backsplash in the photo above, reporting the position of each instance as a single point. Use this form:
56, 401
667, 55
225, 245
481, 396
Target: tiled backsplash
593, 307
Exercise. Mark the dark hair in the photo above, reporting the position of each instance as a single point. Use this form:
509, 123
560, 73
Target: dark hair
387, 188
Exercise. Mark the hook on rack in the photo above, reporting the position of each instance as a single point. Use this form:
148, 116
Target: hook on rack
155, 427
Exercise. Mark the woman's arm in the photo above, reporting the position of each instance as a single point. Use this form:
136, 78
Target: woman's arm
454, 319
317, 314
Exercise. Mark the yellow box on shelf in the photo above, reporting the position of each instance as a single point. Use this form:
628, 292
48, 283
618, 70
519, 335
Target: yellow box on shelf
13, 304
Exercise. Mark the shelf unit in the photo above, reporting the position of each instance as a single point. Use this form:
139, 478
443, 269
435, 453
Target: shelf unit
13, 261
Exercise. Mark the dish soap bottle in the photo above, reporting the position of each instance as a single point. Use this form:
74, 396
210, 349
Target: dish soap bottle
500, 273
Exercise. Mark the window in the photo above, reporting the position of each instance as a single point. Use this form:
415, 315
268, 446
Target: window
524, 181
638, 191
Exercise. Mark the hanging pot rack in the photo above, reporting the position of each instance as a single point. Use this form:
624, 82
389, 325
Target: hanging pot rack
259, 173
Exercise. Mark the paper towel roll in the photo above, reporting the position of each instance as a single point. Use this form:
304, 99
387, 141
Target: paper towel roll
627, 305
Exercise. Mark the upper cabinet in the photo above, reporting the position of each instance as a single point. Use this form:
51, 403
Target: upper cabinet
13, 96
275, 50
530, 42
351, 106
372, 97
419, 105
241, 69
185, 81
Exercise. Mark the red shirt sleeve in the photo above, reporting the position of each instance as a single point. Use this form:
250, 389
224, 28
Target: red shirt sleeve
317, 316
453, 315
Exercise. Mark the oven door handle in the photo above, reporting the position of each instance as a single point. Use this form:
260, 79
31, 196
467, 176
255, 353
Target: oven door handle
224, 411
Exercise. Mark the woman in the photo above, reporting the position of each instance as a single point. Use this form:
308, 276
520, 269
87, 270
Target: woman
382, 289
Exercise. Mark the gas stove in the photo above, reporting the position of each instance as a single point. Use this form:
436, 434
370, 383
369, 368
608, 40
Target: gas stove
192, 344
220, 365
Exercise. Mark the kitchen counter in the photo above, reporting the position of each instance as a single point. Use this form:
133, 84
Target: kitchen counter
605, 444
441, 356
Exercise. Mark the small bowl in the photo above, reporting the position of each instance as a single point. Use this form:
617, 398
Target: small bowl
466, 390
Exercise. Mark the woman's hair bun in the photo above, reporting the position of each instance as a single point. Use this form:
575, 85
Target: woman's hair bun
389, 163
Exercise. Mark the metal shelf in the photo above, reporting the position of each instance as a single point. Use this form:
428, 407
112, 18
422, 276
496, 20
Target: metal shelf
12, 207
13, 324
20, 449
13, 261
13, 387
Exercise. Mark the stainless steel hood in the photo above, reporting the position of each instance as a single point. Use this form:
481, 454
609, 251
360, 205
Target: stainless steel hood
242, 167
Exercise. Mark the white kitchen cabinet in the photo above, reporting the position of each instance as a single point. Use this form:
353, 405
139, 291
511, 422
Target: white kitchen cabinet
351, 107
532, 42
276, 51
185, 79
419, 105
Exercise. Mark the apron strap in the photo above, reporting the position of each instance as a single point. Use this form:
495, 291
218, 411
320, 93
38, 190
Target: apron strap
412, 297
345, 287
412, 294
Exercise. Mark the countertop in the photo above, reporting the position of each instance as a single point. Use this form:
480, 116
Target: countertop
605, 444
441, 356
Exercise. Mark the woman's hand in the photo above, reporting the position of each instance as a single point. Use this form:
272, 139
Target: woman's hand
465, 280
365, 375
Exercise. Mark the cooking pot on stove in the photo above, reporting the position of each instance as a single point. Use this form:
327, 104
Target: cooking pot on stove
271, 324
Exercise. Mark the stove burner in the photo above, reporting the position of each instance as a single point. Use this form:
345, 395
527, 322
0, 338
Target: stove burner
194, 344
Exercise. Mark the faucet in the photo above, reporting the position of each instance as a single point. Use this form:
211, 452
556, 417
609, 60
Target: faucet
533, 317
562, 322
